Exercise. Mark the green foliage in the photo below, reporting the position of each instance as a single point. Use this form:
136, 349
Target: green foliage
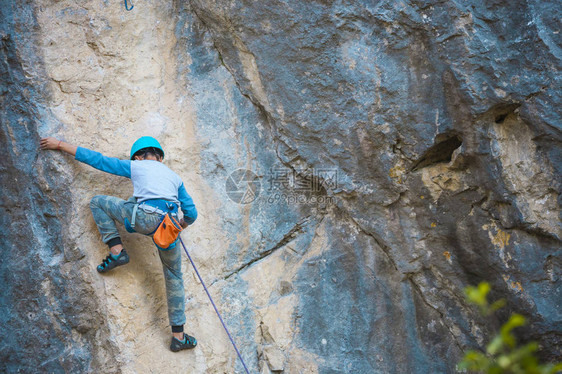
479, 296
503, 355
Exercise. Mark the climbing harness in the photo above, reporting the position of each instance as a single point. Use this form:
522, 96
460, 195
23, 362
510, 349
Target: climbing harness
126, 7
159, 206
214, 306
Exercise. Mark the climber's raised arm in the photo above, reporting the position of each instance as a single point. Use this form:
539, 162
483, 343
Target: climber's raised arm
95, 159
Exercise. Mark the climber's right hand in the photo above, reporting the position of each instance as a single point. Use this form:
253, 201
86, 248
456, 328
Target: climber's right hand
50, 143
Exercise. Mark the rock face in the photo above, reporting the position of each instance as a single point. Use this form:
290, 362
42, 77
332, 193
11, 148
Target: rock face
395, 152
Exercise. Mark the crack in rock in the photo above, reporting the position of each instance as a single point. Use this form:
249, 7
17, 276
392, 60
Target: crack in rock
287, 238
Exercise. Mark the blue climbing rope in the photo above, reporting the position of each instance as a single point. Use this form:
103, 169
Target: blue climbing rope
214, 306
127, 7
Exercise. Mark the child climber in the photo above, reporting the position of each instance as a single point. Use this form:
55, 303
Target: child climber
157, 192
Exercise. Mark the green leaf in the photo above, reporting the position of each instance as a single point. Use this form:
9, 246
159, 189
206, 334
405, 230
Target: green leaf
495, 345
515, 320
478, 295
498, 304
484, 288
504, 362
474, 361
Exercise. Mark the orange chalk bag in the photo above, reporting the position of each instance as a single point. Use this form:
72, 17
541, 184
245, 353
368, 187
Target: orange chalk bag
167, 232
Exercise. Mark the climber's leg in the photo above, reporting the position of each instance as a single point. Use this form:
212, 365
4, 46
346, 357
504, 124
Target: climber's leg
175, 293
106, 211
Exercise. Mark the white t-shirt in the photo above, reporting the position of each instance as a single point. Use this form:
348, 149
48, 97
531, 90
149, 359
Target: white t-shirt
154, 180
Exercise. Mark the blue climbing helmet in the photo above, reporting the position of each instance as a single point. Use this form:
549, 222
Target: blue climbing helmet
145, 142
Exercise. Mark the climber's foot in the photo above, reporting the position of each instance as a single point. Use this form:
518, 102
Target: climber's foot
188, 342
112, 261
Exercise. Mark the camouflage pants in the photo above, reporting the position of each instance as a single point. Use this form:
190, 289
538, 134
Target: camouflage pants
107, 210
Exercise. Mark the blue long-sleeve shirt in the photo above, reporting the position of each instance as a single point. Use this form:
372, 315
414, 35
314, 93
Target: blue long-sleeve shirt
151, 179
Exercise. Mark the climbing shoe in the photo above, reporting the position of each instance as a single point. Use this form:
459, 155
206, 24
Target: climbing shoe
188, 342
112, 261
